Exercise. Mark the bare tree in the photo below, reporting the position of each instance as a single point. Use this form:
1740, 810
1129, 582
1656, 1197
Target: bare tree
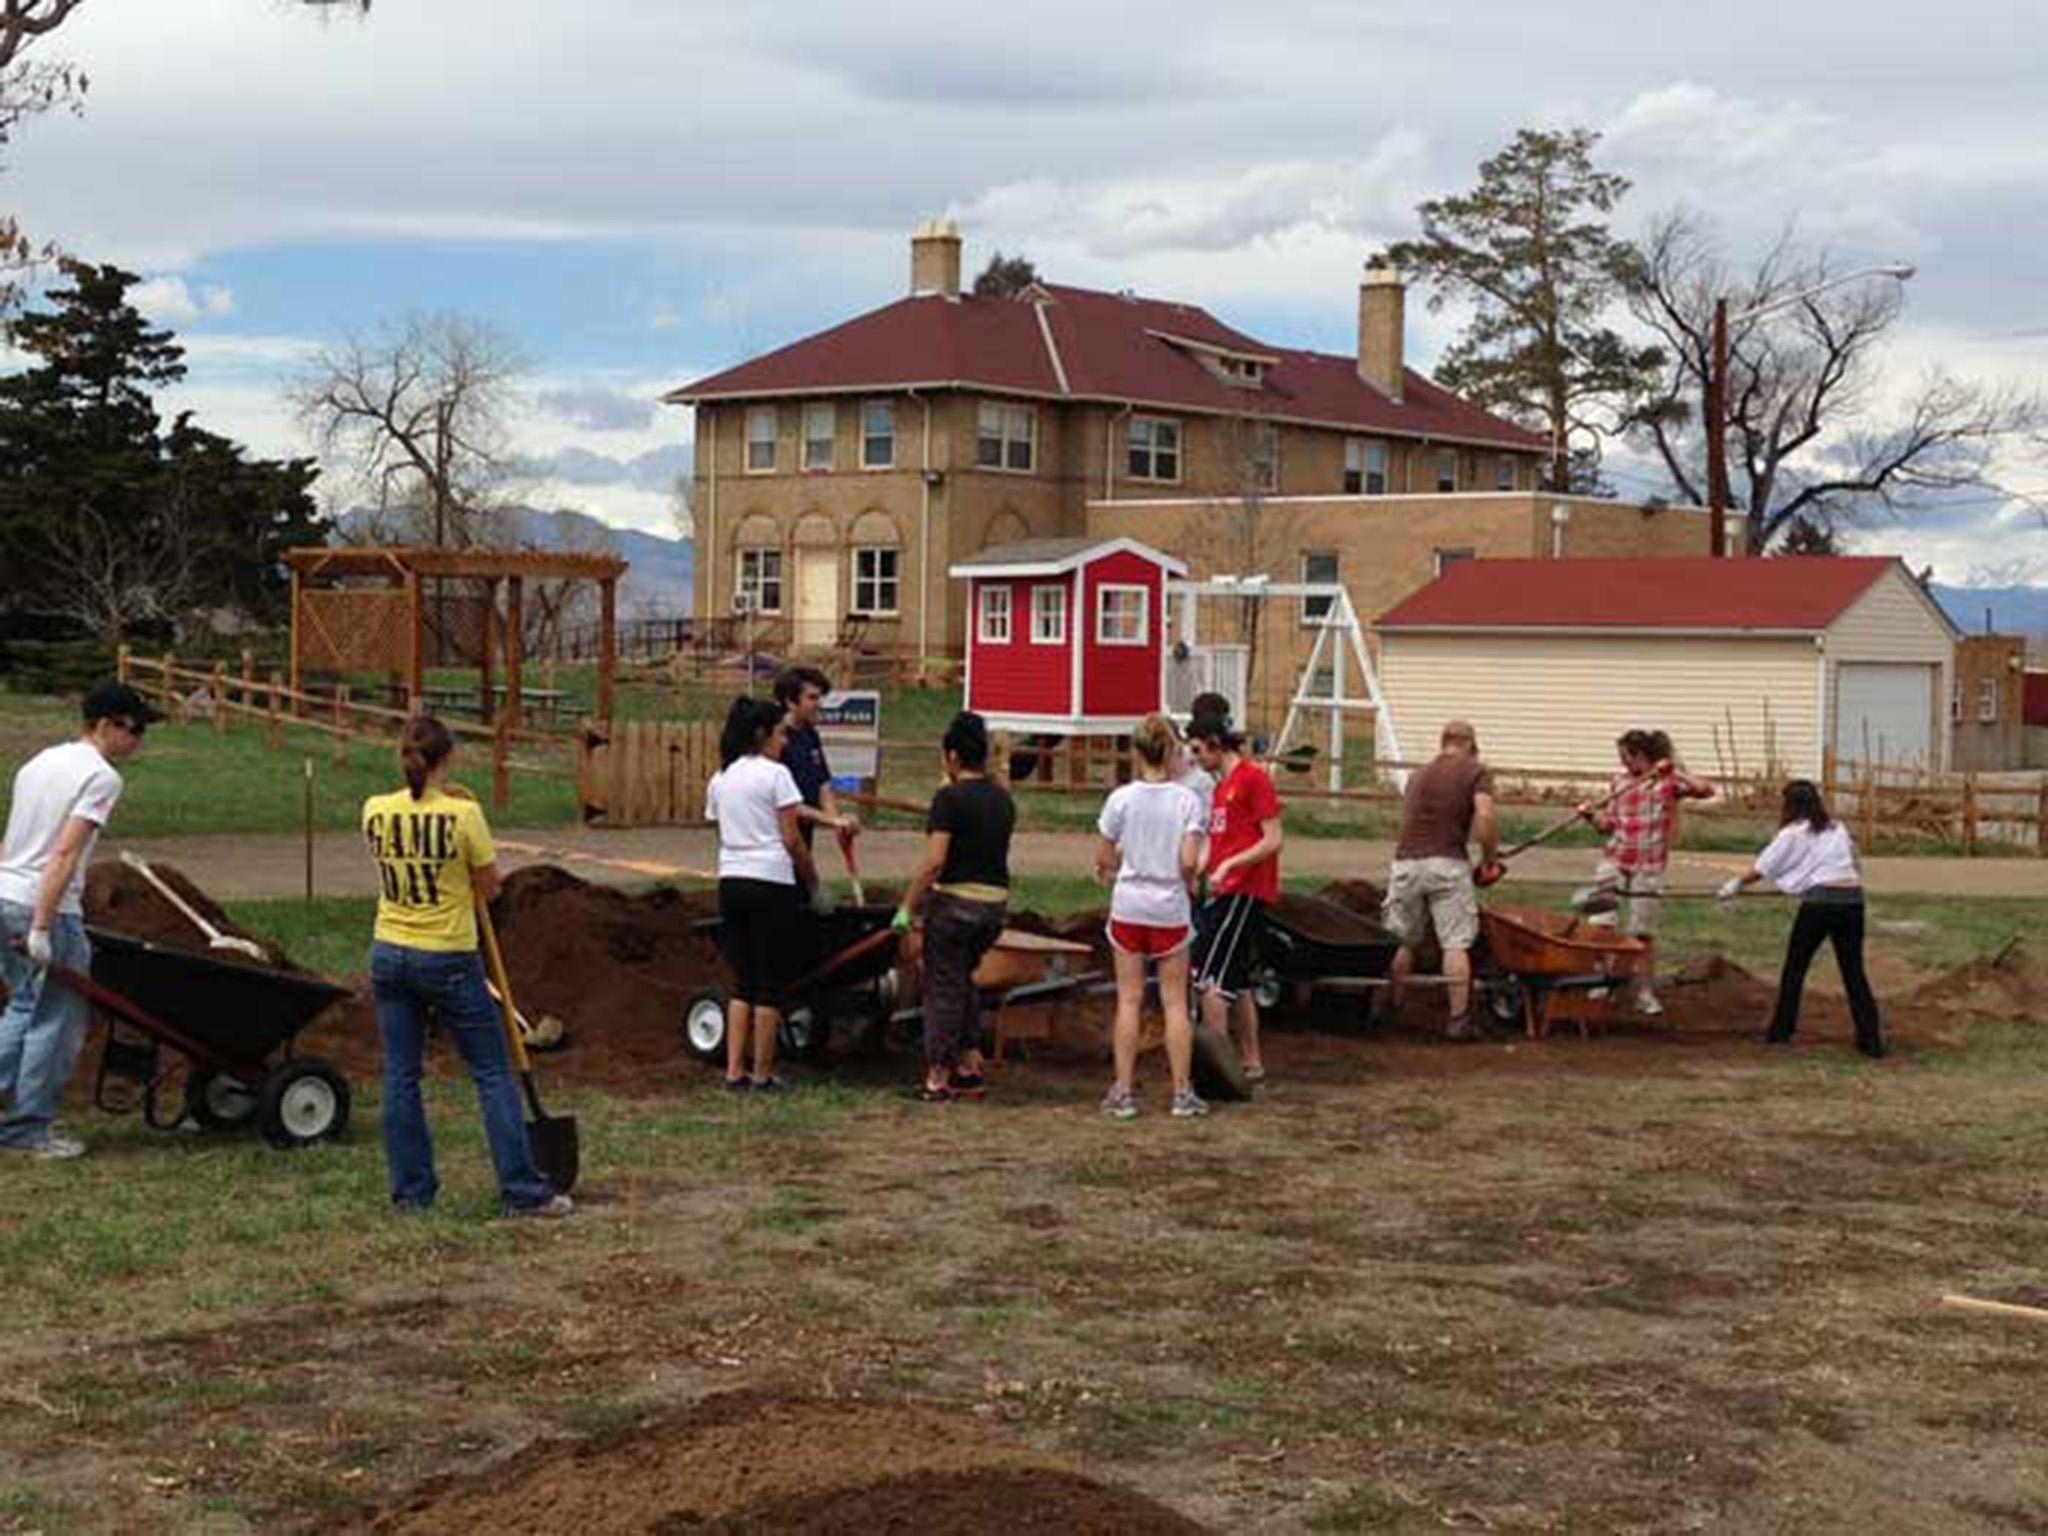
1812, 437
112, 578
418, 414
28, 87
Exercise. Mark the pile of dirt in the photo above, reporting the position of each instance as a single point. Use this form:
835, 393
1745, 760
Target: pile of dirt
1323, 921
1360, 896
2010, 985
745, 1463
618, 969
119, 898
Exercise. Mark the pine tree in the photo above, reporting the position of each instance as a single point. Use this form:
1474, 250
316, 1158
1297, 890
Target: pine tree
1529, 250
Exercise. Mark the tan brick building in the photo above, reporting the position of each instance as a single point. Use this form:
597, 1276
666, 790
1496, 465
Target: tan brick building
846, 472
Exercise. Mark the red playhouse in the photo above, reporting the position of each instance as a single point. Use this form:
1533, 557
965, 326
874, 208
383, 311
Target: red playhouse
1067, 637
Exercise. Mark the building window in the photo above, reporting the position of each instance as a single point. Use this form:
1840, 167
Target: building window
1002, 437
1049, 615
1319, 566
1987, 701
821, 426
1446, 558
1365, 466
992, 616
1504, 473
1447, 469
760, 439
760, 580
1155, 449
1265, 457
1955, 701
878, 435
877, 585
1121, 614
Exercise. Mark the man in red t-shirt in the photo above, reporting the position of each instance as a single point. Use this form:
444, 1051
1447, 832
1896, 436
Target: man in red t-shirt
1243, 875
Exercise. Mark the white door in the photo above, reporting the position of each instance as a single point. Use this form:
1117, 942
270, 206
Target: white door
817, 597
1884, 713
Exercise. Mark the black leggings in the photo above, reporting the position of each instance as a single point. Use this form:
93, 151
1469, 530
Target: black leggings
1828, 916
758, 931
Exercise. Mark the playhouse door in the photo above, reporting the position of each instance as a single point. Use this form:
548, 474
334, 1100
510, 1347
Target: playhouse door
817, 598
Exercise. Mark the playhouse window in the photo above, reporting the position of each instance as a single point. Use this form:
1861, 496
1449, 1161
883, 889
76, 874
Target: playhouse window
821, 421
1049, 615
760, 439
992, 616
876, 583
1365, 466
1002, 438
1154, 449
878, 435
760, 580
1121, 615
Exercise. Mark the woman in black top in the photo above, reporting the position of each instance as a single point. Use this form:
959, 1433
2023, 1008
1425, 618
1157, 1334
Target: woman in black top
967, 869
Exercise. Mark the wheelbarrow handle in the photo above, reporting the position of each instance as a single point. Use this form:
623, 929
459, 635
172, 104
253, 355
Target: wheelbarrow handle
128, 1011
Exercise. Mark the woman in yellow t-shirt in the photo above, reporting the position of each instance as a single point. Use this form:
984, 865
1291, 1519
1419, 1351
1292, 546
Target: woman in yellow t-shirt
434, 858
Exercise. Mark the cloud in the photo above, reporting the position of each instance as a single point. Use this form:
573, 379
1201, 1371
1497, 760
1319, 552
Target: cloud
654, 472
170, 301
597, 408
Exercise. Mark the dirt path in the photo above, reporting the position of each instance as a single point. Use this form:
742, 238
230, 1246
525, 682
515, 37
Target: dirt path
270, 864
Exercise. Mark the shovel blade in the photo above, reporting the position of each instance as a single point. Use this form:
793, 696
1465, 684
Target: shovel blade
557, 1150
1218, 1071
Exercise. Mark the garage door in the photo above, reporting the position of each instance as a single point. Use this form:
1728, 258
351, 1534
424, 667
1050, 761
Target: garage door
1884, 712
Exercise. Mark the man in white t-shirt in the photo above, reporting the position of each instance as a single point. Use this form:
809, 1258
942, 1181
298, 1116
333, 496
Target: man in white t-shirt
62, 797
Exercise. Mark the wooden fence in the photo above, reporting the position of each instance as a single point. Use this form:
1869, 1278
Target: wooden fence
222, 695
645, 773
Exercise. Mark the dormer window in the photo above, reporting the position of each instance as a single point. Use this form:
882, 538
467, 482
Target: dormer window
1240, 370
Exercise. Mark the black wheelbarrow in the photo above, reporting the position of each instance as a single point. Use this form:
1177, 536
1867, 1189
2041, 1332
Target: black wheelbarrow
229, 1024
1307, 942
844, 971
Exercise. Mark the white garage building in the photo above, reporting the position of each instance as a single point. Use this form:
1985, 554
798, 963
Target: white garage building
1756, 665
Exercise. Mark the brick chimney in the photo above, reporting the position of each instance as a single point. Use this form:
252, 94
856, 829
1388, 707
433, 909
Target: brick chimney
935, 259
1382, 306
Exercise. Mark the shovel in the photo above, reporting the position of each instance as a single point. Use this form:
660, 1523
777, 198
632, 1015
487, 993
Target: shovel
556, 1146
215, 939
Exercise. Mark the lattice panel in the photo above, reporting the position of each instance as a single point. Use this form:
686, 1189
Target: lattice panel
350, 629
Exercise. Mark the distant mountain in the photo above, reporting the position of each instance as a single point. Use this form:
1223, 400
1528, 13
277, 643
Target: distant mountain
659, 569
2014, 610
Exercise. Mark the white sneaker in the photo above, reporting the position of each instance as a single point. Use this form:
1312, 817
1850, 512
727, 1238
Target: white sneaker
554, 1208
59, 1148
1648, 1006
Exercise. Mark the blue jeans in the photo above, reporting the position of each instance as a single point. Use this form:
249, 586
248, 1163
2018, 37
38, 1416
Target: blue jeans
406, 983
42, 1028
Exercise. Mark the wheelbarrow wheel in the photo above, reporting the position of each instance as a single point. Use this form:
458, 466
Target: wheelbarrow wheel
704, 1026
304, 1101
219, 1101
1267, 989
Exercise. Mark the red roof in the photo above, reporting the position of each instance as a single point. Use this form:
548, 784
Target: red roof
1103, 346
1804, 594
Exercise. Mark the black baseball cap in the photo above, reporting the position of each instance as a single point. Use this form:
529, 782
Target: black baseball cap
111, 701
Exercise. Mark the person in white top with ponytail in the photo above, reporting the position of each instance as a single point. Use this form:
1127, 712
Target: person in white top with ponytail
1813, 858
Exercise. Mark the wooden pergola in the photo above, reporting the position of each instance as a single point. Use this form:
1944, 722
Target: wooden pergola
362, 608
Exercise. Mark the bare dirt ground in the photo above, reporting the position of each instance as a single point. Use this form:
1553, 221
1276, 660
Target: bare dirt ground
1659, 1280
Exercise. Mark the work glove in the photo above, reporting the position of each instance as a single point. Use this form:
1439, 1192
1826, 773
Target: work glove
38, 946
1489, 873
1666, 768
1730, 889
824, 901
901, 921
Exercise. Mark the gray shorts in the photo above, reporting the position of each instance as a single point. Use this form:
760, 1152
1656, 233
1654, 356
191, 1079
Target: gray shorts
1425, 895
1640, 893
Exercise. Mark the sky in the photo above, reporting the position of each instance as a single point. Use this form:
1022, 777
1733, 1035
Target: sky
645, 192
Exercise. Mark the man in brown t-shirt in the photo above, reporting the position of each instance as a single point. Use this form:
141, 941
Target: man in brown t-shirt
1448, 804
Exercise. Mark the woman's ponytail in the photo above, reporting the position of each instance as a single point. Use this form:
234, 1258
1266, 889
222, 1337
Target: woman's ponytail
422, 748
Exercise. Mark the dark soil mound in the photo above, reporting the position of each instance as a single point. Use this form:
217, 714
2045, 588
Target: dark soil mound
118, 897
1322, 921
744, 1463
1360, 896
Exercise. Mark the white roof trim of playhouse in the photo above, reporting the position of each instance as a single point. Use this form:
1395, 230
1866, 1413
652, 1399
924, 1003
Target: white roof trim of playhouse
1056, 557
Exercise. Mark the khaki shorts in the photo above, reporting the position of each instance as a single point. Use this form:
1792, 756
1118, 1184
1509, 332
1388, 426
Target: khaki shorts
1432, 894
1640, 893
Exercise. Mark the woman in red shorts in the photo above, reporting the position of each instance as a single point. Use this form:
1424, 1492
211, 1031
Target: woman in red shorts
1151, 844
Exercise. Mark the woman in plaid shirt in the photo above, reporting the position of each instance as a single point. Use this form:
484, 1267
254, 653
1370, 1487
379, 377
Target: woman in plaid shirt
1640, 818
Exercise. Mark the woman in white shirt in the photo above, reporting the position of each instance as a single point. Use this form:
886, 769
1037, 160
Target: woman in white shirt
1151, 844
764, 867
1813, 858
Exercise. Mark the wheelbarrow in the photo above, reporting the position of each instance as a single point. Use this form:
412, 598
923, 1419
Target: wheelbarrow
1307, 942
1549, 968
845, 971
229, 1023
